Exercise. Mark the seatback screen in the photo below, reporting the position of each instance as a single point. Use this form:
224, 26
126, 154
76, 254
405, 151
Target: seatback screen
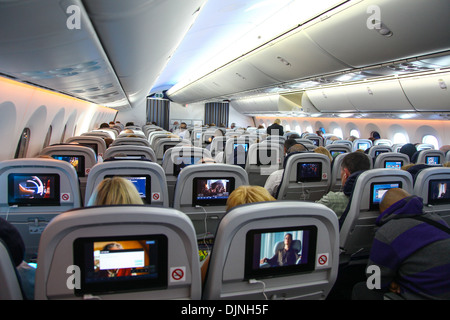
280, 251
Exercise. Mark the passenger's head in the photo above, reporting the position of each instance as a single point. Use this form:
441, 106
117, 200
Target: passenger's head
289, 143
374, 135
409, 149
248, 194
354, 162
183, 125
392, 196
297, 148
277, 121
104, 125
116, 190
324, 151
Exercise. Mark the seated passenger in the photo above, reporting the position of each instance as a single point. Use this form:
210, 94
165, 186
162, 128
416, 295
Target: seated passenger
241, 195
14, 242
409, 149
324, 151
412, 254
274, 179
116, 190
352, 164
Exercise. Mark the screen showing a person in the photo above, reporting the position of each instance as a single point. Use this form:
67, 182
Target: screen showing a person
241, 146
272, 252
142, 183
211, 191
378, 190
439, 191
33, 189
309, 171
393, 164
432, 160
182, 162
363, 145
122, 263
76, 161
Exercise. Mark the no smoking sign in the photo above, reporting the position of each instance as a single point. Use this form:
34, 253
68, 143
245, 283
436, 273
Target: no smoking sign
322, 260
178, 274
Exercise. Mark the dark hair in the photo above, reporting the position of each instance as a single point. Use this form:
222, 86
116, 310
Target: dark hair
288, 143
356, 161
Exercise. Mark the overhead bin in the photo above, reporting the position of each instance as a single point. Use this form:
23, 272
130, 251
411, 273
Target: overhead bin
430, 93
350, 36
383, 96
295, 57
263, 104
330, 100
239, 76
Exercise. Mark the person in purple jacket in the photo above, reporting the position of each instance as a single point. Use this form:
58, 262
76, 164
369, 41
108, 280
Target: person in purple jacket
411, 249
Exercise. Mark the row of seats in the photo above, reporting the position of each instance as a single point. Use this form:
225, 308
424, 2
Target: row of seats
59, 216
230, 274
165, 239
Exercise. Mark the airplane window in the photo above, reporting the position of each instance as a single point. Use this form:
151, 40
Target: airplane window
355, 133
288, 127
309, 129
48, 137
338, 132
430, 139
298, 129
22, 147
400, 138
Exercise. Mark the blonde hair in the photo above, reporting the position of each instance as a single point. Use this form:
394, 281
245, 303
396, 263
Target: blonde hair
324, 151
116, 190
248, 194
277, 121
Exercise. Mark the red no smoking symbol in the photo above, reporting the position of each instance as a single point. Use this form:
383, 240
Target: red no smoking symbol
323, 259
177, 274
65, 197
155, 196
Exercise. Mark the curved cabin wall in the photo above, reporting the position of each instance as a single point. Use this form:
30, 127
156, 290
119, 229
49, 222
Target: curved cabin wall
24, 106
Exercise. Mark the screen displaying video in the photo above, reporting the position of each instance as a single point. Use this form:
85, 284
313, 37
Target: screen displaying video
211, 191
33, 189
273, 252
439, 191
182, 162
76, 161
378, 190
393, 164
309, 172
432, 160
121, 263
363, 146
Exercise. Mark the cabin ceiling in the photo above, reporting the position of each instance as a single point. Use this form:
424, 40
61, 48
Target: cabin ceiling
121, 51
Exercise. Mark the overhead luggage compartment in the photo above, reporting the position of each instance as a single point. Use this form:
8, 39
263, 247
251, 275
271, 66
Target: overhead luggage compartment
352, 37
429, 93
295, 57
383, 96
332, 99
